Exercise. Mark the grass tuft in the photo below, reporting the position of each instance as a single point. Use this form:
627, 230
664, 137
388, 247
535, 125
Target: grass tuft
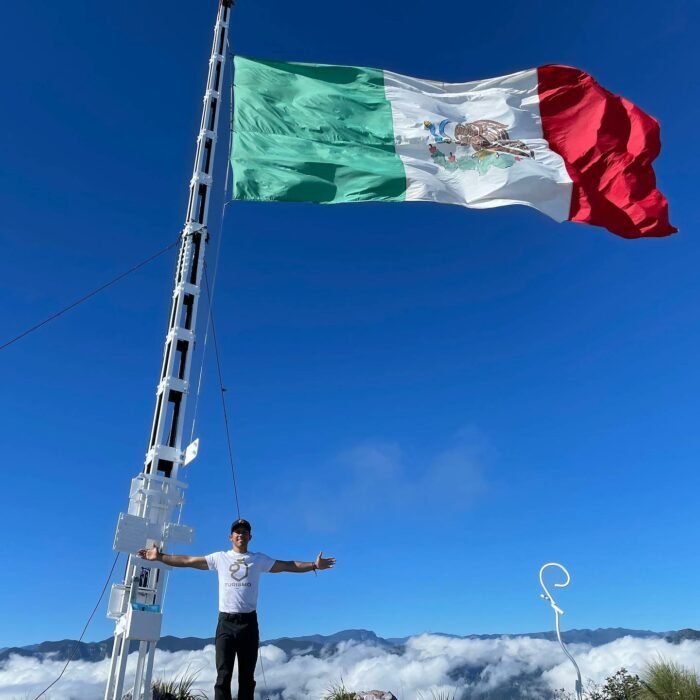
181, 688
338, 691
666, 679
440, 695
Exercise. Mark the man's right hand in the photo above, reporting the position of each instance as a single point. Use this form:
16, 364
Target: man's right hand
178, 560
151, 554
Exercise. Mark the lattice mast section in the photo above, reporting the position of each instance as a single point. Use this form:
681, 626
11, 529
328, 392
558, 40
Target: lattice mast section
157, 493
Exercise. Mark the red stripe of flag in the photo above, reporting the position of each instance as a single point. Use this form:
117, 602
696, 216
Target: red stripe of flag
608, 145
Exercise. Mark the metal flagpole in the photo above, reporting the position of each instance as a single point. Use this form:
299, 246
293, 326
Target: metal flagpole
156, 493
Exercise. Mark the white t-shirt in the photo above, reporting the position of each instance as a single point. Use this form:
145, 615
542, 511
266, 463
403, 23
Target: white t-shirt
239, 578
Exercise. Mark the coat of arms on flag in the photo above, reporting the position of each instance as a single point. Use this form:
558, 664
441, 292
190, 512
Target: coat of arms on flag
479, 145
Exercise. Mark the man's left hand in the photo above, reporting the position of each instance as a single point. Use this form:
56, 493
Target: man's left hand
322, 562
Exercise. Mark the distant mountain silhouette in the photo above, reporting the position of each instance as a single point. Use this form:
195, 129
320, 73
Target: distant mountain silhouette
682, 635
318, 644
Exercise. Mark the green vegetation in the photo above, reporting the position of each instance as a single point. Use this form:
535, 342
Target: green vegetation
338, 691
665, 679
181, 688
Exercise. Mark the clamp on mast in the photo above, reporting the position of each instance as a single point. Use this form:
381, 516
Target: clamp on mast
157, 493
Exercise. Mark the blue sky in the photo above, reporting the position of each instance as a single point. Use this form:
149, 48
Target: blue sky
442, 398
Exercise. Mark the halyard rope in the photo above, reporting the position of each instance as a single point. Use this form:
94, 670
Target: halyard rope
222, 389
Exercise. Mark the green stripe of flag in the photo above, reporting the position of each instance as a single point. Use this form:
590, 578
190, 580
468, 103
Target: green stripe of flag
305, 132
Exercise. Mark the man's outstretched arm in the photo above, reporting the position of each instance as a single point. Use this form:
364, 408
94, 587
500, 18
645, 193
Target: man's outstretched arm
301, 567
181, 560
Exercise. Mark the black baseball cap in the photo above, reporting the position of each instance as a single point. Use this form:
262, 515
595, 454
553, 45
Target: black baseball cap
241, 523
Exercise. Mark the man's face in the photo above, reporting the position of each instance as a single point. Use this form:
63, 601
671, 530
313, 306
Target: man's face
240, 538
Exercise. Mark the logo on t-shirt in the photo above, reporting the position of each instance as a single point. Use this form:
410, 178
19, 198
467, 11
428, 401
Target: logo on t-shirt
239, 570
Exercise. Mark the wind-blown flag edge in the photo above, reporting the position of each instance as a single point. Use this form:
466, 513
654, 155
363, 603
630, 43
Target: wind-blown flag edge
605, 145
608, 145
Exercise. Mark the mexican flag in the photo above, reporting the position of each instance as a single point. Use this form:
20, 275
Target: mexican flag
550, 138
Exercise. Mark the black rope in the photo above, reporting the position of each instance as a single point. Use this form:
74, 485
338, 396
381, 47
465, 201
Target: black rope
89, 295
77, 644
223, 390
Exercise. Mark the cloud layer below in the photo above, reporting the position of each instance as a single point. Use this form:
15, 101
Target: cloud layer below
426, 663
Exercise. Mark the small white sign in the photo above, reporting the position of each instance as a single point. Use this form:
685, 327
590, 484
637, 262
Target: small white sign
191, 451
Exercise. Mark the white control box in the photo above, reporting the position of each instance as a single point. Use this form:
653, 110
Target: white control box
143, 625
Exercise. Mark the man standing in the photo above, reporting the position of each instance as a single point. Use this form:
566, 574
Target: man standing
239, 575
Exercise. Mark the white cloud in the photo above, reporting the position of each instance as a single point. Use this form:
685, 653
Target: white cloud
428, 662
375, 479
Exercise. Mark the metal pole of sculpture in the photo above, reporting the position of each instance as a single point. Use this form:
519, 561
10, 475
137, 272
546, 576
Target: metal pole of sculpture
558, 612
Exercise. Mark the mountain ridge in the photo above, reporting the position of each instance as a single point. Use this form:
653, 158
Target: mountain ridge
316, 644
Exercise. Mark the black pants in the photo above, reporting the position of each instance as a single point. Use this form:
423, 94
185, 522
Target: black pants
236, 635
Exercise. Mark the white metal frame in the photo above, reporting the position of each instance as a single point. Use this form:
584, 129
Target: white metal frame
156, 493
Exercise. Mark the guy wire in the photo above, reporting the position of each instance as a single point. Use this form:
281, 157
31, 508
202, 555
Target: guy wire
89, 295
82, 634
